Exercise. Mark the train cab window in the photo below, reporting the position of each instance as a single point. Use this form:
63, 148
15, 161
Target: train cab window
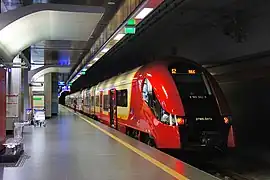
150, 98
122, 98
194, 85
106, 102
147, 90
97, 100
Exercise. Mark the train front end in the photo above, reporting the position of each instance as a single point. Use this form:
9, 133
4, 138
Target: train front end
186, 102
203, 124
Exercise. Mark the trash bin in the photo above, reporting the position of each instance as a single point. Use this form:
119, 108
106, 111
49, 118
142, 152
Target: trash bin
18, 130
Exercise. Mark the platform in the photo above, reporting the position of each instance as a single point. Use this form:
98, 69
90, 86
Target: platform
74, 147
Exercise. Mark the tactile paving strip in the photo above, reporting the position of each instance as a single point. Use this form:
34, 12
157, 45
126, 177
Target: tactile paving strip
19, 163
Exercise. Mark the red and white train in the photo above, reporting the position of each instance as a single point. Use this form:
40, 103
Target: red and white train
172, 104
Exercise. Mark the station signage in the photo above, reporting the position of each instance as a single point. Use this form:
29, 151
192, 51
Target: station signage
130, 27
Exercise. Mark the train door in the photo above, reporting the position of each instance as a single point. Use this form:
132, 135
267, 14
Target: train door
113, 109
100, 103
88, 97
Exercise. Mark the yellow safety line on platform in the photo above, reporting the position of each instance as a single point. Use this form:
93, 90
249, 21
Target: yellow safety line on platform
139, 152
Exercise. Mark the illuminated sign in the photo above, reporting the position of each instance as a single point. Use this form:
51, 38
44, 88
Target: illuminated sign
130, 27
191, 71
61, 83
66, 88
37, 98
173, 71
131, 22
130, 30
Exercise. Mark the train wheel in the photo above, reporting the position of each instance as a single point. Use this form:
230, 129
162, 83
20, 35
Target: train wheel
127, 131
150, 142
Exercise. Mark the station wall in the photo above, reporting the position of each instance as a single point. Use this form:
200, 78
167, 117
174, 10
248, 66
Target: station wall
250, 102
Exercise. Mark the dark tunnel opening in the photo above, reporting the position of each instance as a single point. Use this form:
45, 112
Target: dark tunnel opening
249, 102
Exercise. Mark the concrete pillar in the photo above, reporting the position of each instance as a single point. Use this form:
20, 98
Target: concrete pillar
31, 98
54, 94
26, 92
3, 107
48, 95
15, 95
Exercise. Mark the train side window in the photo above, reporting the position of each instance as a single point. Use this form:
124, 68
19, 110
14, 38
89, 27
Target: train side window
87, 100
97, 100
122, 98
92, 101
106, 102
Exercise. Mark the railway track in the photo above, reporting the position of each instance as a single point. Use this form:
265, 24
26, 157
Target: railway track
231, 175
227, 174
229, 167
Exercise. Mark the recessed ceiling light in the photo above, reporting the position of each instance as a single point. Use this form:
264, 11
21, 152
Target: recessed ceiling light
111, 3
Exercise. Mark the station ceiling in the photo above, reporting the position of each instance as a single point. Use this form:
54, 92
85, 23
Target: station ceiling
66, 52
75, 50
24, 26
210, 32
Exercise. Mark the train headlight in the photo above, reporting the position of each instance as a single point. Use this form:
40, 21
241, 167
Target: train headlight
172, 119
227, 119
180, 121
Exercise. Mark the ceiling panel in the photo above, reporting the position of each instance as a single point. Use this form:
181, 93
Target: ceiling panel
60, 52
71, 51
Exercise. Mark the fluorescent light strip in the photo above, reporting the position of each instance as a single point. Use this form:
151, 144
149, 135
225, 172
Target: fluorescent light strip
105, 50
118, 37
143, 13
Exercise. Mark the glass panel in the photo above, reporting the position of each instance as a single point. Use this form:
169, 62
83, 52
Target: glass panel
190, 85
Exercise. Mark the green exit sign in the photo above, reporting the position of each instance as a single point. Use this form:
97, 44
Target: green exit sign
37, 98
130, 30
131, 22
83, 72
